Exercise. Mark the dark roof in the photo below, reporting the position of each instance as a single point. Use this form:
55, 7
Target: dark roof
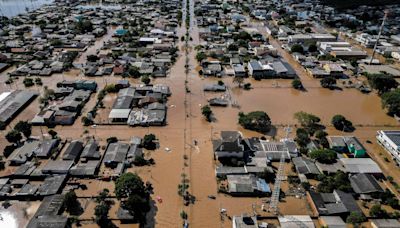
335, 203
47, 214
90, 150
73, 150
52, 185
116, 152
364, 183
305, 166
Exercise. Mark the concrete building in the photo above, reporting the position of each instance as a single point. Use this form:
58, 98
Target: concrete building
390, 141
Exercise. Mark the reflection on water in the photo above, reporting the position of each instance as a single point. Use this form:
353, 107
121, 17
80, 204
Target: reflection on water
11, 8
8, 220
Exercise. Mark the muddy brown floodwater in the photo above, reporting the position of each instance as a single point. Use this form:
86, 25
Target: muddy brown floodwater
186, 124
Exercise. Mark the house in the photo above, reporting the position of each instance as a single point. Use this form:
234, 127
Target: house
229, 146
364, 185
91, 151
12, 103
73, 151
239, 70
345, 144
337, 203
294, 221
115, 154
379, 69
361, 165
332, 221
305, 166
244, 221
46, 147
390, 141
272, 150
85, 169
57, 167
24, 153
52, 185
385, 223
49, 213
247, 185
255, 69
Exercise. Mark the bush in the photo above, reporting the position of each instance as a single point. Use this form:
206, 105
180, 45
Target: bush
52, 133
247, 86
28, 82
200, 56
391, 102
382, 82
256, 121
148, 142
112, 140
377, 211
146, 79
338, 181
325, 156
342, 124
328, 82
8, 150
355, 218
207, 112
297, 48
296, 83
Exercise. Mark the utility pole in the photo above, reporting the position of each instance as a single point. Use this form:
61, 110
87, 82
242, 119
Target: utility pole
379, 36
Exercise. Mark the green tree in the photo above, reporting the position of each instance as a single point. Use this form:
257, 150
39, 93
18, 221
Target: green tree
308, 121
328, 82
24, 127
14, 136
341, 123
146, 79
149, 142
391, 102
312, 48
92, 58
302, 137
200, 56
324, 155
377, 211
207, 112
382, 82
134, 72
28, 82
356, 218
71, 203
256, 121
129, 184
52, 133
296, 83
297, 48
112, 139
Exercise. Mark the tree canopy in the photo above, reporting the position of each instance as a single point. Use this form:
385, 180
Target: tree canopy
391, 101
324, 155
328, 82
382, 82
337, 181
256, 121
342, 124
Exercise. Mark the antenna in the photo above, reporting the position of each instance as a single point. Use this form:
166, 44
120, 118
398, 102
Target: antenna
379, 36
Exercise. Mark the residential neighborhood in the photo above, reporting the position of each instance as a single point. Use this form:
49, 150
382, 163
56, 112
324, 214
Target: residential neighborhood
189, 113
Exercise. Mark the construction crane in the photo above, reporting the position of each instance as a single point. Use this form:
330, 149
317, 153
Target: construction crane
379, 36
273, 205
